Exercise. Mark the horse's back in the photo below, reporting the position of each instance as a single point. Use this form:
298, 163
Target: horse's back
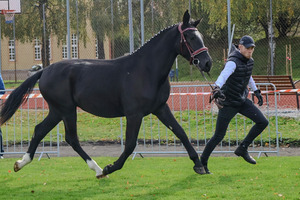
83, 83
107, 88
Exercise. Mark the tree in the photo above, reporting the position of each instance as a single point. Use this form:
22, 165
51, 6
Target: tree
286, 15
112, 25
253, 15
29, 24
100, 17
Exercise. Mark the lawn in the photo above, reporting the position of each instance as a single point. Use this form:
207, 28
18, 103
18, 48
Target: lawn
153, 178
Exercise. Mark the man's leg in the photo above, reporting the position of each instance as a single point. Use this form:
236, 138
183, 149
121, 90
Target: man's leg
252, 112
224, 117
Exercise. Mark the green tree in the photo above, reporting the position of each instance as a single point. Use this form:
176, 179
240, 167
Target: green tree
287, 16
100, 16
252, 16
29, 24
112, 25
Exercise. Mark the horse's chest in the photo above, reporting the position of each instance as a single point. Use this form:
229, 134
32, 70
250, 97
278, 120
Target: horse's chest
161, 97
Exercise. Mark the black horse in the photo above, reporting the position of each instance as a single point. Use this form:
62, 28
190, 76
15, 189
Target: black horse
132, 86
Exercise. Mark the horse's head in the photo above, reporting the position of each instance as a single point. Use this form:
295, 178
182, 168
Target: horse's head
192, 46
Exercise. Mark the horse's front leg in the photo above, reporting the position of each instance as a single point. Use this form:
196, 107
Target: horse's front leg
165, 115
132, 129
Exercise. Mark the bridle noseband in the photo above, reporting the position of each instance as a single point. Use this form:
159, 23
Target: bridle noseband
193, 60
193, 53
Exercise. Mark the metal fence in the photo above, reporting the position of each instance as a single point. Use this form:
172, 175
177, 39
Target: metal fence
17, 132
190, 106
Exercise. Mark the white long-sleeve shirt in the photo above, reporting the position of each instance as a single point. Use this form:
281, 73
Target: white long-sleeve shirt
229, 68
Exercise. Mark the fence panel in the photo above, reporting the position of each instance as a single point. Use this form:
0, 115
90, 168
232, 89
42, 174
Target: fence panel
17, 132
190, 106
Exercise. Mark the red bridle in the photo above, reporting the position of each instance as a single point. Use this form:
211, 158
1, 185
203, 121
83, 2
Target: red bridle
190, 49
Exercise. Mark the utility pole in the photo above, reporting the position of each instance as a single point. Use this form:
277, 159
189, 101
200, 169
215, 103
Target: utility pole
68, 31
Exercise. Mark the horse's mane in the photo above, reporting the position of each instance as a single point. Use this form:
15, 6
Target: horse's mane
155, 36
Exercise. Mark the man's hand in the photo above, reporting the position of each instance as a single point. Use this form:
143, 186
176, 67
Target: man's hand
259, 97
217, 93
217, 96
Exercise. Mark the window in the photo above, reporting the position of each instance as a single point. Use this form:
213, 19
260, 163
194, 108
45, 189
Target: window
96, 46
74, 46
37, 49
50, 55
64, 51
11, 47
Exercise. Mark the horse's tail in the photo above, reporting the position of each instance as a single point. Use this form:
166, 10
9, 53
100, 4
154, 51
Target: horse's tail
17, 97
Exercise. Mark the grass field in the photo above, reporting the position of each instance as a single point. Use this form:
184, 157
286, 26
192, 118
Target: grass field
153, 178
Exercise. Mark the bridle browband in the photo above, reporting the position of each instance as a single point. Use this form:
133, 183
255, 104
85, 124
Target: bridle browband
192, 52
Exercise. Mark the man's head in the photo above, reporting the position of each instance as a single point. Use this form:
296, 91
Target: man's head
246, 46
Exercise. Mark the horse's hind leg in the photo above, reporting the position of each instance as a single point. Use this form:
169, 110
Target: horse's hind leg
132, 129
165, 115
72, 139
40, 131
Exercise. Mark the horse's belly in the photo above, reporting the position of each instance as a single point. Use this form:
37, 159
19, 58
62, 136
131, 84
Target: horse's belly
102, 109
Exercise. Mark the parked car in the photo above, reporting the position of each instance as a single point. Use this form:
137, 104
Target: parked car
34, 69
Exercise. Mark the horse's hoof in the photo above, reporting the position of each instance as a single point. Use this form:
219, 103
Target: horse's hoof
106, 169
16, 167
102, 176
199, 170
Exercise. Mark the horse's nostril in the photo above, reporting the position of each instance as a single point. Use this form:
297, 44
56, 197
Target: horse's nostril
208, 66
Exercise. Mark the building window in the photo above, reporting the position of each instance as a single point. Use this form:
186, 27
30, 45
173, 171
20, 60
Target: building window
74, 46
11, 47
50, 55
37, 49
64, 51
96, 46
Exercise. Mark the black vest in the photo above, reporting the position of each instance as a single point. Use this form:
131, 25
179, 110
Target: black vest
236, 86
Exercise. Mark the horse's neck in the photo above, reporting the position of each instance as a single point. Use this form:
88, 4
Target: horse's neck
159, 53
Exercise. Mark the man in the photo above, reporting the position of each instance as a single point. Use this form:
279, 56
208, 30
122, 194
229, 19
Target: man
230, 94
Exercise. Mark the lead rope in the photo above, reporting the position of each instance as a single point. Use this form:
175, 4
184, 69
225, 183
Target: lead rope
211, 99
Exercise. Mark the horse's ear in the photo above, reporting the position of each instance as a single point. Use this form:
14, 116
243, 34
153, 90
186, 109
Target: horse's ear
196, 23
186, 17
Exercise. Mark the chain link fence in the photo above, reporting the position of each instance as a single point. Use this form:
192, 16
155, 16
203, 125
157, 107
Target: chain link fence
100, 29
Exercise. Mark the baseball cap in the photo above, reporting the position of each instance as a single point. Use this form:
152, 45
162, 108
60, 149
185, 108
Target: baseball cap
247, 41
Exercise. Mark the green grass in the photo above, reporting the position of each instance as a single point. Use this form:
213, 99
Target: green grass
153, 178
12, 85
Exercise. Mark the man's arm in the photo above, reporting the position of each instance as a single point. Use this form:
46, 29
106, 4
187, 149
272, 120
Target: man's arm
226, 72
252, 84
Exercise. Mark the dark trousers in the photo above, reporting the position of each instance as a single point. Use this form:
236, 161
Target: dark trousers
225, 115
